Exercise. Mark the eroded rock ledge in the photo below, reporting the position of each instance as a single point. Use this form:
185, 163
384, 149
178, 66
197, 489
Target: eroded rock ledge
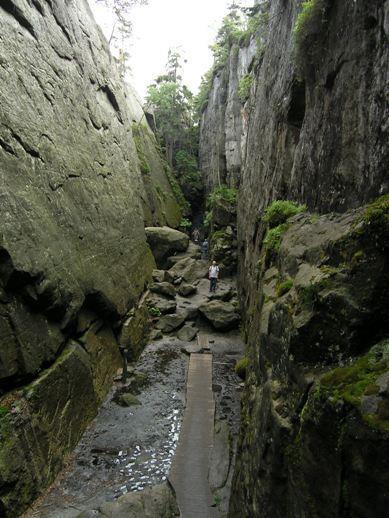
315, 427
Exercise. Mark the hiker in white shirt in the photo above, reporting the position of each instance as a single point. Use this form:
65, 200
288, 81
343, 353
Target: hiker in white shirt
213, 274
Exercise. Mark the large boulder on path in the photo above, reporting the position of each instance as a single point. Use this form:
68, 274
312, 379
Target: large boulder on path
189, 269
165, 241
164, 305
153, 502
163, 288
169, 323
188, 332
186, 290
222, 315
193, 251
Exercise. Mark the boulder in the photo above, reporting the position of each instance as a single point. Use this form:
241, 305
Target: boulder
193, 251
169, 323
156, 334
185, 290
189, 269
127, 399
188, 332
164, 288
222, 315
165, 306
158, 275
153, 502
164, 241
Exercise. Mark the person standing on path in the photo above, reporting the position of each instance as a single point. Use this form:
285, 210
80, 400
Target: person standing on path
213, 274
196, 235
204, 249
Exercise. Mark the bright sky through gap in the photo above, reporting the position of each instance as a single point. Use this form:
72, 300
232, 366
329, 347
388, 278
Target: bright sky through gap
189, 25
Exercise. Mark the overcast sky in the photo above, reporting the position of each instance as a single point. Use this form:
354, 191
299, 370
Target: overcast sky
189, 25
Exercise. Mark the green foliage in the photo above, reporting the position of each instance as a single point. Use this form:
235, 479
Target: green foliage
377, 213
137, 136
201, 99
3, 410
245, 87
172, 103
353, 382
208, 219
217, 500
222, 194
186, 224
284, 287
176, 189
154, 312
241, 367
310, 24
280, 210
274, 236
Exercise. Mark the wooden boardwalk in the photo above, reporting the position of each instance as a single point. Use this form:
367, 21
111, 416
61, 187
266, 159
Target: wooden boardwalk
189, 474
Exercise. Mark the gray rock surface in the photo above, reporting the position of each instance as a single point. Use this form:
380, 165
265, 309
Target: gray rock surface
73, 249
315, 386
185, 290
222, 315
189, 269
164, 305
154, 502
163, 288
187, 333
169, 323
164, 241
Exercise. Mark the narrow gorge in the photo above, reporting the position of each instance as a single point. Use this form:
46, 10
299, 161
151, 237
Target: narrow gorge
127, 388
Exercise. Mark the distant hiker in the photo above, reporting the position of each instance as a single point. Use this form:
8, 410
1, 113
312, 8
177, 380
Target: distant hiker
205, 249
196, 235
213, 274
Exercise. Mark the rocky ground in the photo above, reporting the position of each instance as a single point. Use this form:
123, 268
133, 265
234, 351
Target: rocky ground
130, 444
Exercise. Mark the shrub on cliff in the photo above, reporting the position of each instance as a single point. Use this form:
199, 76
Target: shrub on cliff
309, 28
280, 211
222, 194
245, 87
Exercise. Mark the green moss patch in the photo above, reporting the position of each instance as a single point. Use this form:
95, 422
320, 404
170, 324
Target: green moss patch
274, 236
280, 211
241, 367
377, 213
309, 32
358, 380
245, 87
284, 287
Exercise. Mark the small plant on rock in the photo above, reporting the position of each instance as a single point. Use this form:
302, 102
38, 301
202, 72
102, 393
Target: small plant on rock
280, 211
154, 312
284, 287
241, 367
273, 238
309, 26
185, 224
245, 87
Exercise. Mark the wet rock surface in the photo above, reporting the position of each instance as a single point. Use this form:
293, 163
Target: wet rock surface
165, 241
317, 371
126, 448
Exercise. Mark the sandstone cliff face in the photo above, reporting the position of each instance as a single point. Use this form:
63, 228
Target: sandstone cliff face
315, 427
316, 135
223, 122
73, 253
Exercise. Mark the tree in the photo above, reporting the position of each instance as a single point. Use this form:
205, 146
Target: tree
172, 103
121, 28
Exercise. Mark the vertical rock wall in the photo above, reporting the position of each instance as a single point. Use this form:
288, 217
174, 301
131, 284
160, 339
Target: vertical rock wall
315, 135
73, 253
223, 122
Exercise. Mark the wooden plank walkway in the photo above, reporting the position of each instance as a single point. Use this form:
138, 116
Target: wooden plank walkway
189, 474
